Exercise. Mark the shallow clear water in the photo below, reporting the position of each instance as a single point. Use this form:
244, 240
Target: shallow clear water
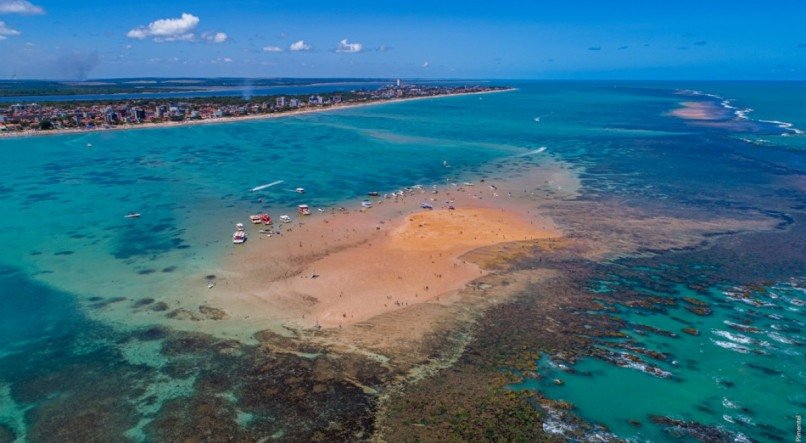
72, 266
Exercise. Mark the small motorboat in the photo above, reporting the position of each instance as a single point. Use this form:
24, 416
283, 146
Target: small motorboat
260, 218
239, 226
426, 206
373, 194
285, 219
366, 204
239, 236
89, 145
299, 190
304, 210
132, 215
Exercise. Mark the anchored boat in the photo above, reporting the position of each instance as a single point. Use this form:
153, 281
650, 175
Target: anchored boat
260, 218
239, 236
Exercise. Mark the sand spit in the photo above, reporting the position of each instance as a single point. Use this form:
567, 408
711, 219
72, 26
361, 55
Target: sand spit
349, 266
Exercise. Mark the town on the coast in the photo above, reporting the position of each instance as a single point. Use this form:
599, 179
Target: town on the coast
109, 114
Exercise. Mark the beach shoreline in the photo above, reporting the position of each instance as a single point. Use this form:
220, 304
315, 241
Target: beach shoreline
232, 119
381, 259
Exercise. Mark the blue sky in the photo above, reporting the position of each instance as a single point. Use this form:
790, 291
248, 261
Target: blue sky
703, 39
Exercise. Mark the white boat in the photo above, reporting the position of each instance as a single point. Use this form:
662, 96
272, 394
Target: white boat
304, 210
300, 190
132, 215
239, 226
285, 219
89, 145
366, 204
426, 206
239, 237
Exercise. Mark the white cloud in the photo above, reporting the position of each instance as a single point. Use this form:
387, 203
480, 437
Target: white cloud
299, 45
425, 64
5, 31
272, 49
344, 46
218, 37
168, 29
22, 7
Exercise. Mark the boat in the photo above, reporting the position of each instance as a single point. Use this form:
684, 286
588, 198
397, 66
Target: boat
89, 145
366, 204
304, 210
239, 226
299, 190
239, 236
260, 218
373, 194
426, 206
132, 215
285, 219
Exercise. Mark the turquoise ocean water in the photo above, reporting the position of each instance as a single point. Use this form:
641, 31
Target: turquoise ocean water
72, 267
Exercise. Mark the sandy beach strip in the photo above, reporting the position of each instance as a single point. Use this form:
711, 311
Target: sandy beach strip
699, 111
232, 119
339, 268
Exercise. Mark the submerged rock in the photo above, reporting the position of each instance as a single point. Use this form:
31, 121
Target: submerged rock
691, 331
699, 431
213, 313
143, 302
183, 314
159, 307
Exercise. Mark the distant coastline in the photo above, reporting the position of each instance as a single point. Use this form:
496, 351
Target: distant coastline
241, 118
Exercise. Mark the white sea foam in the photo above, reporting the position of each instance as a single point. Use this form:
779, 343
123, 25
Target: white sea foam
779, 338
268, 185
729, 404
784, 125
539, 150
731, 346
742, 114
736, 338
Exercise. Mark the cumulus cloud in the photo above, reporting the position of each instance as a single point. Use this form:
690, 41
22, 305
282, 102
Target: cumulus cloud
344, 46
299, 45
217, 37
21, 7
167, 29
6, 32
272, 49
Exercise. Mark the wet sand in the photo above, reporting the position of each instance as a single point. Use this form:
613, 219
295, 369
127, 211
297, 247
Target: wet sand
345, 268
337, 268
699, 111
